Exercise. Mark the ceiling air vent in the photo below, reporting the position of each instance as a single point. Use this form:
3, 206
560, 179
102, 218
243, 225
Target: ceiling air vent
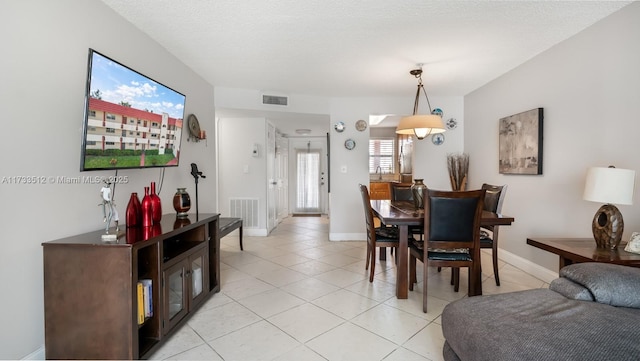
275, 100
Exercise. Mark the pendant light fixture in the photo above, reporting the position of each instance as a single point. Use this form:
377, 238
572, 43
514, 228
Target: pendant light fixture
420, 125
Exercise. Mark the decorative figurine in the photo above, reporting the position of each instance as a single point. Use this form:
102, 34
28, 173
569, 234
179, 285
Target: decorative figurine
109, 212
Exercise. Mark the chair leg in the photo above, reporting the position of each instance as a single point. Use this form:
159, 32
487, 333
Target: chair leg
495, 266
424, 284
366, 267
373, 264
455, 272
383, 253
412, 272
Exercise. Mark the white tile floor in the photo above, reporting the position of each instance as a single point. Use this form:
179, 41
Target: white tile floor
294, 295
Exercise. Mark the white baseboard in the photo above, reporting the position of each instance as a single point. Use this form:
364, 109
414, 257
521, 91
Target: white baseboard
524, 264
36, 355
347, 236
255, 232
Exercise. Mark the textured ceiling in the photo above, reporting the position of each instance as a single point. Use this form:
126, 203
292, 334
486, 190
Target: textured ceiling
345, 48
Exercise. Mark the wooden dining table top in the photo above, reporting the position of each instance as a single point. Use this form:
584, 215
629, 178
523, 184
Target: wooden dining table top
404, 212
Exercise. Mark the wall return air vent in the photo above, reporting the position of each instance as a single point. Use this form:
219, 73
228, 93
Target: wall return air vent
275, 100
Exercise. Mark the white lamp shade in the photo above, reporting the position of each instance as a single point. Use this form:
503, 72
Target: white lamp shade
420, 125
609, 185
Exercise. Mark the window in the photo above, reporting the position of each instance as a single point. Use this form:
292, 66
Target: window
111, 116
381, 154
111, 130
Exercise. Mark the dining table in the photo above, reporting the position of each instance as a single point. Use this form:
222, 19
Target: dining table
403, 214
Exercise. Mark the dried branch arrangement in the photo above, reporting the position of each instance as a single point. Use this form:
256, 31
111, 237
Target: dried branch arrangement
458, 166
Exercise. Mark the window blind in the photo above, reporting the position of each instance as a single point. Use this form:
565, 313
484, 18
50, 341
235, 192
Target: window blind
381, 153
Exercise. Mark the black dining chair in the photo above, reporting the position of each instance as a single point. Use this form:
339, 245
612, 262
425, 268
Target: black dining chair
376, 237
403, 192
489, 234
451, 237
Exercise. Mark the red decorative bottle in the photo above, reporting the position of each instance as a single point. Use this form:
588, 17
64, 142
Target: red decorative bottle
134, 211
146, 206
156, 204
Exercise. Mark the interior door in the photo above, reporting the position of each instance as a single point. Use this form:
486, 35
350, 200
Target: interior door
282, 177
270, 155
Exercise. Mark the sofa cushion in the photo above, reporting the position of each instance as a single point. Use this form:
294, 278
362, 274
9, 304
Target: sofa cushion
610, 284
570, 289
539, 324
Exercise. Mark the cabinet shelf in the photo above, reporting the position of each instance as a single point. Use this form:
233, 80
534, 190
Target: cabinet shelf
176, 247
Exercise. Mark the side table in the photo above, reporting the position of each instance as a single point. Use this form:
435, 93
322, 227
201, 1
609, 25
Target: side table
576, 250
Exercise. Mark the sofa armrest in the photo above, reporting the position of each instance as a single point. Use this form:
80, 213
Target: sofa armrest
609, 284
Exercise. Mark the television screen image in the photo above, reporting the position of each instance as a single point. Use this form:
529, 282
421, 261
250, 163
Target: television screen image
130, 120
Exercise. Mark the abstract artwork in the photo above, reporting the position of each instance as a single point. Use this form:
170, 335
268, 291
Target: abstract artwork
520, 143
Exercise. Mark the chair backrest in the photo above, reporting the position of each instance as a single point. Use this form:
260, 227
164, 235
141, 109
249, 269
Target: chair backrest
452, 218
494, 197
368, 213
401, 193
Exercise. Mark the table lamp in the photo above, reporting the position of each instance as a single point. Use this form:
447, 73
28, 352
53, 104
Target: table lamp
609, 185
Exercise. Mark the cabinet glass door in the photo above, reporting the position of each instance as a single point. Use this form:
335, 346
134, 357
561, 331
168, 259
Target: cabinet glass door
196, 276
199, 272
175, 294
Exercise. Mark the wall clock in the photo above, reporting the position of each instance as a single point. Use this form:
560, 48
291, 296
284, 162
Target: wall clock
350, 144
194, 126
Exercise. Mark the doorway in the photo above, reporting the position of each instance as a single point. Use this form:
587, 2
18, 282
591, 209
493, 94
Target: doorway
310, 185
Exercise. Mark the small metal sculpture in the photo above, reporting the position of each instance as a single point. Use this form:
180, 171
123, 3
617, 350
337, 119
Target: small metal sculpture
109, 211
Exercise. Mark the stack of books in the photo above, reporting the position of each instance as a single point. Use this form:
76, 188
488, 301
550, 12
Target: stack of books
145, 300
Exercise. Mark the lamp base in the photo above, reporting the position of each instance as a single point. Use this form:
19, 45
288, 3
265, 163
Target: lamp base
607, 227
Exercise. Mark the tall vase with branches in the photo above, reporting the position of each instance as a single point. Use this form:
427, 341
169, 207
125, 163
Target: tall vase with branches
458, 167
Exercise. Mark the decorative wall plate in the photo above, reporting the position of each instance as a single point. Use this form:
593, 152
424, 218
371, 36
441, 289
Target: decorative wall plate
349, 143
451, 123
339, 127
437, 139
361, 125
194, 126
437, 111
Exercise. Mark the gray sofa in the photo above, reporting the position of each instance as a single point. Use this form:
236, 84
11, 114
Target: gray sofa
592, 312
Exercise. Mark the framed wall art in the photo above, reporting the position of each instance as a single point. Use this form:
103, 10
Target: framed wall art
520, 147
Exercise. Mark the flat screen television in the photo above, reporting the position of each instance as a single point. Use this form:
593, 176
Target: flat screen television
130, 120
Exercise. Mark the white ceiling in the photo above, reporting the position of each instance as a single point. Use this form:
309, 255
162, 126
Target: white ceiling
347, 48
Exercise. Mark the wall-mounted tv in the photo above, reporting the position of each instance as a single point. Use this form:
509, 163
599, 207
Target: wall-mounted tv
130, 120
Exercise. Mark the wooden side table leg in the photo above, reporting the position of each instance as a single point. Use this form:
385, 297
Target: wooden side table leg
564, 262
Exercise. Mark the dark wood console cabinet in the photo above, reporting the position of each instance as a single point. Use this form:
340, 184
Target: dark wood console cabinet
90, 287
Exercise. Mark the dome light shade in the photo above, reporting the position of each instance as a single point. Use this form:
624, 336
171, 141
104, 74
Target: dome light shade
420, 125
416, 124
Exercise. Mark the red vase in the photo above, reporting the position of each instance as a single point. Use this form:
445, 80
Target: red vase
134, 211
146, 206
156, 204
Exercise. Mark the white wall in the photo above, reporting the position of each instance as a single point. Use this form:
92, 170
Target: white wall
242, 175
43, 75
346, 221
589, 87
